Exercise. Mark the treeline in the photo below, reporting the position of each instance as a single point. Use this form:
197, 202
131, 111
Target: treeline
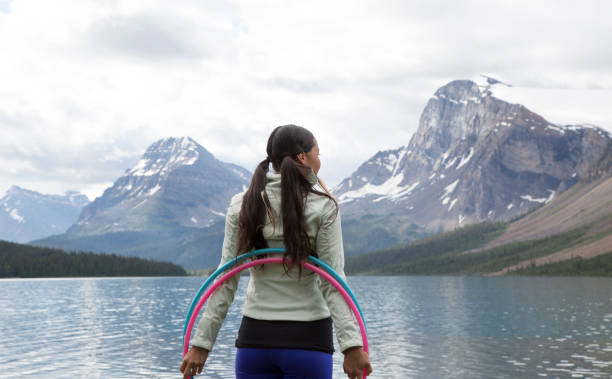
494, 259
600, 265
422, 257
24, 261
448, 254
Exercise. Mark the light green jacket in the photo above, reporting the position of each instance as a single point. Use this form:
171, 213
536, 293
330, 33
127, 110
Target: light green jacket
271, 293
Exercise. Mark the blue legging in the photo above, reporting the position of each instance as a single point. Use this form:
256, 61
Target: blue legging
282, 364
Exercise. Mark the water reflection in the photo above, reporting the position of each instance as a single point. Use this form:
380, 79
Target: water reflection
443, 327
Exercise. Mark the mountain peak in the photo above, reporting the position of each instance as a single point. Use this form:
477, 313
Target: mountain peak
167, 154
13, 190
459, 90
183, 142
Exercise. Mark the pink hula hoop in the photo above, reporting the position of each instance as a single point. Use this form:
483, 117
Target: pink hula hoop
256, 262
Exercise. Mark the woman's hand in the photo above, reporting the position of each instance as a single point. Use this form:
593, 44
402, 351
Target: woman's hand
355, 361
193, 363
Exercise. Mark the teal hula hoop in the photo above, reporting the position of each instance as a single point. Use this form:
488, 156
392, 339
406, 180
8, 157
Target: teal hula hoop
241, 257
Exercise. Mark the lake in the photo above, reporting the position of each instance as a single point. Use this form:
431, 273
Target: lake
419, 327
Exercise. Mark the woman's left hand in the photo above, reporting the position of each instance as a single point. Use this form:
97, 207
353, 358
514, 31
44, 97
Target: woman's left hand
193, 363
355, 361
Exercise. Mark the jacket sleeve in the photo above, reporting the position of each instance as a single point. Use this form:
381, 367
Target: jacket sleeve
330, 249
220, 301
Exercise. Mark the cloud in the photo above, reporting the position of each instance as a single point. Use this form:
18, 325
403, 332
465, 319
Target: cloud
146, 36
56, 168
90, 84
303, 86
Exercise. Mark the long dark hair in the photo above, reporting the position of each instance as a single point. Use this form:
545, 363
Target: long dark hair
284, 144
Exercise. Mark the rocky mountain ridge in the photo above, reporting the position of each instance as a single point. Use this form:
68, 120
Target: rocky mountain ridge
473, 158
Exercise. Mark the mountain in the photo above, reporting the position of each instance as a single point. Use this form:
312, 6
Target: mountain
176, 183
170, 206
570, 235
26, 215
473, 158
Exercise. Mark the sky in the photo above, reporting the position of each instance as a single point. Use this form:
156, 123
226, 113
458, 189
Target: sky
86, 86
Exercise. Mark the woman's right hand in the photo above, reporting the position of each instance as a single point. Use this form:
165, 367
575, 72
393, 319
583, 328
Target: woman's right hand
193, 363
355, 362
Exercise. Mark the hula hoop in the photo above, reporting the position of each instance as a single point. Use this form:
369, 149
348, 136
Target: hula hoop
217, 272
309, 266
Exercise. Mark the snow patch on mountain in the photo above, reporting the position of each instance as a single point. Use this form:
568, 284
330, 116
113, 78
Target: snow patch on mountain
401, 156
15, 216
465, 160
241, 174
555, 128
450, 163
217, 213
541, 200
391, 188
139, 204
450, 188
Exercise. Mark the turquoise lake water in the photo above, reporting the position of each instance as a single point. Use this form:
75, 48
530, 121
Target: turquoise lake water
419, 327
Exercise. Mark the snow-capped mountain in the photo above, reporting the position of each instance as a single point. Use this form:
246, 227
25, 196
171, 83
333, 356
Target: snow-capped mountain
473, 158
26, 215
176, 183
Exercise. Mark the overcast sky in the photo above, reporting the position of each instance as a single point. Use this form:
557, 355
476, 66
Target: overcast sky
86, 86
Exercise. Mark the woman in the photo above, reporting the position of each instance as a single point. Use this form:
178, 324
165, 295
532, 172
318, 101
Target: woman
286, 330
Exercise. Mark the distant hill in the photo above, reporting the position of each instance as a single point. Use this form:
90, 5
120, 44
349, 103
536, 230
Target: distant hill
26, 215
24, 261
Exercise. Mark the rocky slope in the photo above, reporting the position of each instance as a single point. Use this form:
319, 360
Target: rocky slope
473, 158
26, 215
587, 205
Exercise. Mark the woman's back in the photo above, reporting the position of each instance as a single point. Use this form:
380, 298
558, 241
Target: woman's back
274, 294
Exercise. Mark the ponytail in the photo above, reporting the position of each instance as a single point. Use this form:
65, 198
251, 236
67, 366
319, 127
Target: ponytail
294, 190
252, 212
